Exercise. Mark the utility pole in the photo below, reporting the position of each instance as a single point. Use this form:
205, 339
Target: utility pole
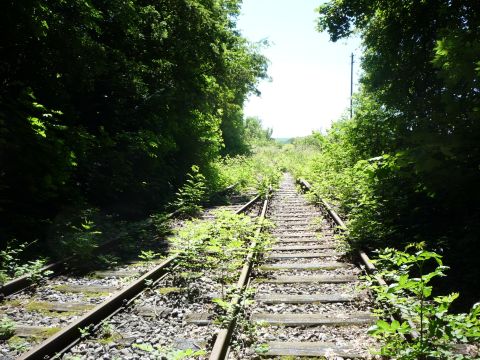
351, 87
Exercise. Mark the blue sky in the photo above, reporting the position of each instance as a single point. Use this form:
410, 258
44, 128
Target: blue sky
310, 84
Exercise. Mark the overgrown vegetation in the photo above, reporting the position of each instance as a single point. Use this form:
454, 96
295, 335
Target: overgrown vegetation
245, 330
77, 236
107, 105
7, 328
256, 173
111, 111
219, 248
84, 236
220, 244
405, 168
409, 274
158, 351
11, 265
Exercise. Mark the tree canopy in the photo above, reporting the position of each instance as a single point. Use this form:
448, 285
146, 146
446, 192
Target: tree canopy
111, 102
416, 124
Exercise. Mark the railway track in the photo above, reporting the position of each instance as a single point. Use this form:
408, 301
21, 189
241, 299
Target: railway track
308, 303
58, 267
308, 298
58, 312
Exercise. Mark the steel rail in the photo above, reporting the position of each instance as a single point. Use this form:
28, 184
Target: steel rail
222, 342
22, 282
68, 336
363, 256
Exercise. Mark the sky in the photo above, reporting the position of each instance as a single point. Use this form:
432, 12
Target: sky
310, 76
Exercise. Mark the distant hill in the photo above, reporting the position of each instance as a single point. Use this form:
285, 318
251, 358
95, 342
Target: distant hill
284, 140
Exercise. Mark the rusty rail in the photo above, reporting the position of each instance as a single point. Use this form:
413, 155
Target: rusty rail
23, 282
69, 336
363, 256
221, 346
61, 340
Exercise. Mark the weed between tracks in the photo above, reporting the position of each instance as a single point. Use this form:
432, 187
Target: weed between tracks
220, 246
7, 328
210, 256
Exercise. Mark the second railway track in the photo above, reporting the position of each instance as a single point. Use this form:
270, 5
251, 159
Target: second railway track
63, 308
308, 302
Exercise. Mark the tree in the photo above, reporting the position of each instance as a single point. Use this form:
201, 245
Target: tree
110, 103
255, 133
419, 104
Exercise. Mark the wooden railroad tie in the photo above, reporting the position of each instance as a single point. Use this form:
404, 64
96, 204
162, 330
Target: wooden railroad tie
303, 320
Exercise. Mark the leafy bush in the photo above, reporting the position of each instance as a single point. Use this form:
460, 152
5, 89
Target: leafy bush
190, 196
11, 265
77, 236
7, 328
409, 294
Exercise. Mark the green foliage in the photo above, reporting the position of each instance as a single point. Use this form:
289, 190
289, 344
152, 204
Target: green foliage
106, 330
237, 170
7, 328
190, 196
225, 307
409, 294
219, 244
161, 223
406, 166
107, 260
107, 333
255, 173
16, 343
9, 261
110, 103
11, 265
170, 354
34, 270
255, 134
204, 244
85, 331
266, 168
246, 331
77, 236
148, 255
262, 349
